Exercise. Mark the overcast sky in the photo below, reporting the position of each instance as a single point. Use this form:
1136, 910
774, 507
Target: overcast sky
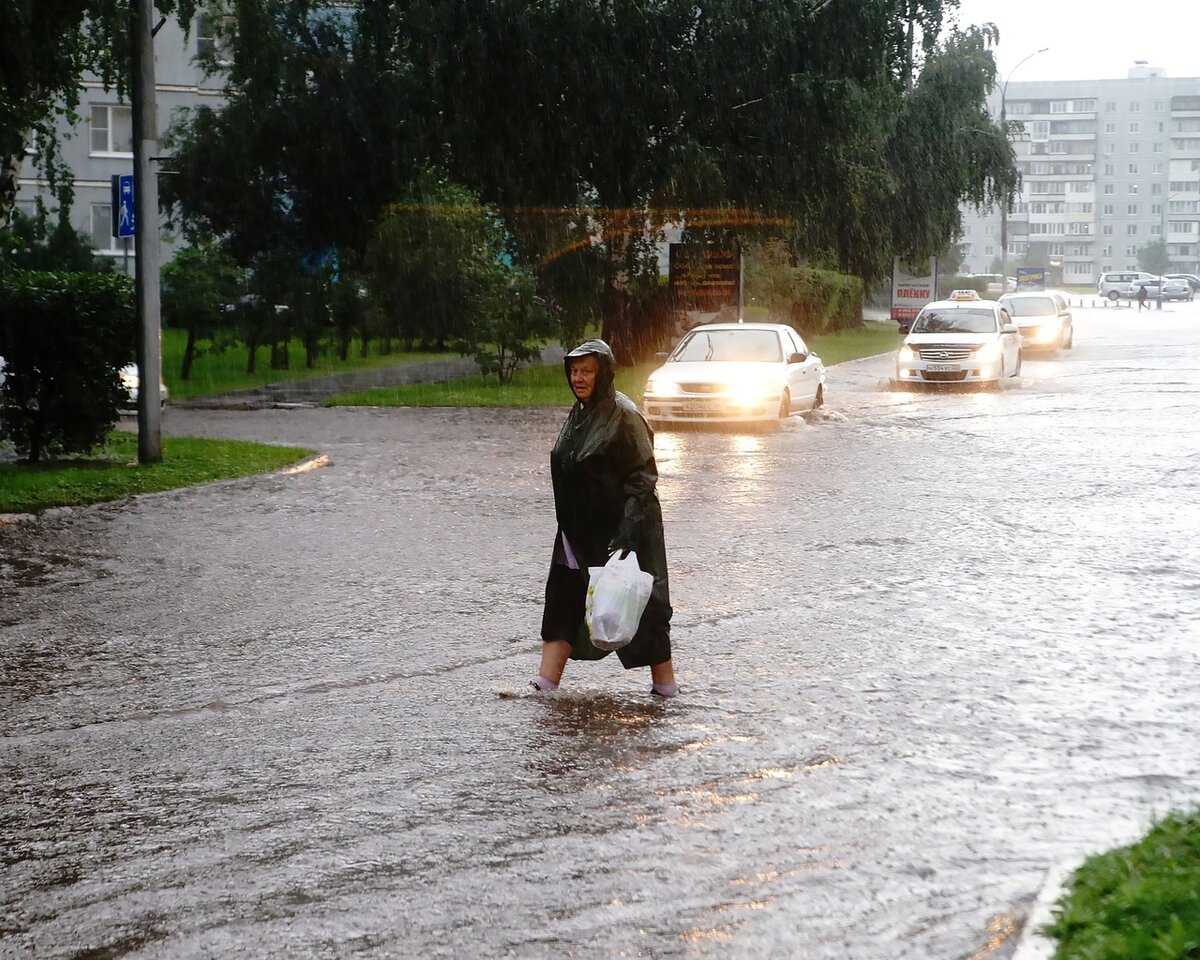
1091, 39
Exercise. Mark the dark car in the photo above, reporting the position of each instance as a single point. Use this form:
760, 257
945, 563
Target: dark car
1193, 281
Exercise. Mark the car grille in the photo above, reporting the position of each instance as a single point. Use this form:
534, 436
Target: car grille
944, 377
703, 387
938, 352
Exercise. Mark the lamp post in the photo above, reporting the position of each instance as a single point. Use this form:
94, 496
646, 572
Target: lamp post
1005, 203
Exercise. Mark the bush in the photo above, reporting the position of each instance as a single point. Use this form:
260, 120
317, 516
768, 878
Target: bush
812, 300
978, 284
64, 338
825, 301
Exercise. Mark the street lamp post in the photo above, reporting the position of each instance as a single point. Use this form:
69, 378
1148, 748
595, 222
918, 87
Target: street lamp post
1004, 204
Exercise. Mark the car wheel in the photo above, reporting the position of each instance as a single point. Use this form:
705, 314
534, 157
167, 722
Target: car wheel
1017, 371
785, 405
819, 399
1113, 296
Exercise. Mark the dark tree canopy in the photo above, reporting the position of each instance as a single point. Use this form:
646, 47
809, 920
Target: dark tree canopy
854, 128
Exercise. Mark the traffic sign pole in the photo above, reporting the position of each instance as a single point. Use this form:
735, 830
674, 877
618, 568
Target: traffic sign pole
144, 193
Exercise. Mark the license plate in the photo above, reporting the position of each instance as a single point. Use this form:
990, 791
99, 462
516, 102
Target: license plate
694, 406
944, 367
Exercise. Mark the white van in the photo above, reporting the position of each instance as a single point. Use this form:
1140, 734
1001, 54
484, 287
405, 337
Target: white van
1112, 285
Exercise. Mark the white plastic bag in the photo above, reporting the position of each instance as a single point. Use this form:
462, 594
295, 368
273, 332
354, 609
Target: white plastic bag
616, 598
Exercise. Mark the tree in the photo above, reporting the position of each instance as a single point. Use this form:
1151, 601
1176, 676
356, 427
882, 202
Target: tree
511, 321
853, 128
1153, 258
45, 50
430, 261
29, 244
197, 285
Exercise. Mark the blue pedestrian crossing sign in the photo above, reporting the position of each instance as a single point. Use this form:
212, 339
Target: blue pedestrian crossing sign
123, 218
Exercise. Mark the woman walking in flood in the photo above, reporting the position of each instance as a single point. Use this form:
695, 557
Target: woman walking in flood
604, 476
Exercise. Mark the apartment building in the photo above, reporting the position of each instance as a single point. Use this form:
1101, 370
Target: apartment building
1107, 167
101, 144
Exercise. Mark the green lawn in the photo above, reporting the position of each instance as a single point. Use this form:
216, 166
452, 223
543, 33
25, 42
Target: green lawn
1141, 901
222, 372
545, 386
113, 471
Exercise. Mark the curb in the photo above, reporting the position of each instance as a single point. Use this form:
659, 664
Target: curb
1033, 944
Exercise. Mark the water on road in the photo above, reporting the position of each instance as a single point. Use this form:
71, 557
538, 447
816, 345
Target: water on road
930, 644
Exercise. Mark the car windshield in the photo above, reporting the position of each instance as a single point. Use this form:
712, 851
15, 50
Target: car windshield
955, 320
1030, 306
746, 345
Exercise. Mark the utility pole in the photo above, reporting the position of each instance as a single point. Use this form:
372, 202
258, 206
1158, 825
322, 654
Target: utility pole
146, 239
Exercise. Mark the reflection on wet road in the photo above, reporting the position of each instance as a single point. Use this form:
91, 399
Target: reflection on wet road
930, 644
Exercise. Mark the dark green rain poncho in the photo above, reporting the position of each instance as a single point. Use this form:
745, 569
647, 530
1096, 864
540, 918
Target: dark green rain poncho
604, 475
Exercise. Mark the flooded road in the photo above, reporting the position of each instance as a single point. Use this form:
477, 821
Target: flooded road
929, 645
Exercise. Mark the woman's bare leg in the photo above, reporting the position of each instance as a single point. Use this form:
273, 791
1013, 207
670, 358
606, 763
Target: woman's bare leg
555, 654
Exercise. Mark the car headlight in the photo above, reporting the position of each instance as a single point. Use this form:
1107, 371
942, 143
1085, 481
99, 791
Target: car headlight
908, 354
661, 387
1049, 331
988, 352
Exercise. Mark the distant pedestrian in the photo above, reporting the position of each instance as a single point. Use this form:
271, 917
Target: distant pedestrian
604, 475
1141, 298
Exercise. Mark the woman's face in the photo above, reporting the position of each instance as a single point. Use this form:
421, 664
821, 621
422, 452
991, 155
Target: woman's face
583, 376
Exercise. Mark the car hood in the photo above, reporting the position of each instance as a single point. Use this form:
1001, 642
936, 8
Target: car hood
966, 339
1035, 321
730, 371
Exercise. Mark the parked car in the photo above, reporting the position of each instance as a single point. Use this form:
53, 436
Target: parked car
1044, 320
131, 380
1193, 281
1113, 285
1159, 287
960, 341
735, 373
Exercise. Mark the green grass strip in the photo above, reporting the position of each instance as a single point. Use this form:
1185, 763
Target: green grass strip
113, 471
1141, 901
546, 386
225, 371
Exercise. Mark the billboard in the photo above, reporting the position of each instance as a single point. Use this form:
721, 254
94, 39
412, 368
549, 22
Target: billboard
912, 288
703, 278
1031, 278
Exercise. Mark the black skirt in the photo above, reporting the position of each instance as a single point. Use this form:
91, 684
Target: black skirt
562, 619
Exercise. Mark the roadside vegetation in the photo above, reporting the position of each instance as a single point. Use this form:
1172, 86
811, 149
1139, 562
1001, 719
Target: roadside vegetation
111, 471
545, 386
1138, 901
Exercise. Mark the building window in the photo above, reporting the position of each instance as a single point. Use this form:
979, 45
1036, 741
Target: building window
1134, 106
1155, 209
1131, 229
1133, 168
101, 232
1110, 127
1108, 209
1107, 251
1135, 148
1083, 106
1110, 106
206, 39
1131, 252
1110, 169
1058, 106
1039, 130
1110, 149
112, 130
1107, 230
1156, 188
1108, 189
1158, 148
1155, 230
987, 251
1133, 126
1160, 105
1133, 189
1132, 210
